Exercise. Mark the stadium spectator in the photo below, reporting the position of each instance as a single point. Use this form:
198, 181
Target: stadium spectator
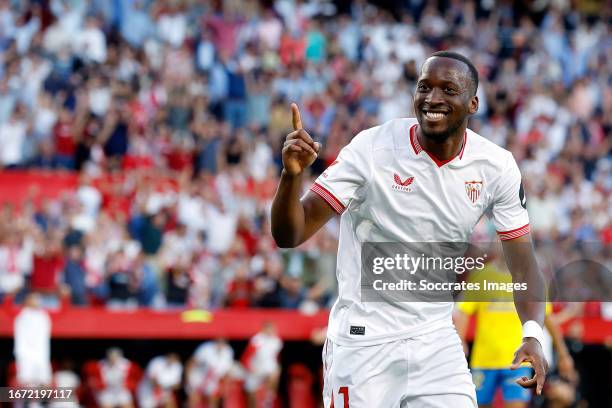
90, 44
74, 275
152, 232
177, 285
240, 288
47, 266
292, 293
13, 134
15, 260
267, 283
135, 25
123, 280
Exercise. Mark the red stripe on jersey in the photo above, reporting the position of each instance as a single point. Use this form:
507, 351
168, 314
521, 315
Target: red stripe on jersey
515, 233
414, 141
328, 197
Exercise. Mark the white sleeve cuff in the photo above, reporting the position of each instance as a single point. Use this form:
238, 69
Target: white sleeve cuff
531, 328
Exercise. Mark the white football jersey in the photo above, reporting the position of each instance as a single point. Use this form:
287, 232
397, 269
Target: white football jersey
388, 189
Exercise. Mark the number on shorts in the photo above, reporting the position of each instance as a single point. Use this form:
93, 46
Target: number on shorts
344, 391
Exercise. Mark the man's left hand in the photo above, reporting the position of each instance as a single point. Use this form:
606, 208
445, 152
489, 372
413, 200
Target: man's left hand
531, 351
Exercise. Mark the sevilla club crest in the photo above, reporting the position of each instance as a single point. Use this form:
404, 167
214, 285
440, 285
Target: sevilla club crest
473, 190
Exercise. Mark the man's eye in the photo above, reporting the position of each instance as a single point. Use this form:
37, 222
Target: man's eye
422, 87
450, 91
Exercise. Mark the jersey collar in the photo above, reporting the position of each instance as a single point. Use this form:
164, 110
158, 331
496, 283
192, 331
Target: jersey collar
416, 146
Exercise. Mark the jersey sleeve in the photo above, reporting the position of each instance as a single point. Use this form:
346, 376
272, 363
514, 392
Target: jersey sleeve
510, 204
345, 179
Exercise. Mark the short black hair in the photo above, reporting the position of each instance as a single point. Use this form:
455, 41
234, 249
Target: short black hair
465, 60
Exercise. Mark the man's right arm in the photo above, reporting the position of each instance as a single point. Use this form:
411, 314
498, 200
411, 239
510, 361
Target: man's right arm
294, 220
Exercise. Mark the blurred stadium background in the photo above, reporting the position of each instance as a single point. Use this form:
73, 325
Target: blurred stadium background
140, 149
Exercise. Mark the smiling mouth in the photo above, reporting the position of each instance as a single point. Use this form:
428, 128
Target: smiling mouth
435, 116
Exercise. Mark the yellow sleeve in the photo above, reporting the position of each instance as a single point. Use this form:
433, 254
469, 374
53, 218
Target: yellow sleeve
548, 309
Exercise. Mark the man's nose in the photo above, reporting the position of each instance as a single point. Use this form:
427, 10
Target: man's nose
434, 96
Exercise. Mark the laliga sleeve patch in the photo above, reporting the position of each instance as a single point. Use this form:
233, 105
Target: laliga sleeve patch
522, 196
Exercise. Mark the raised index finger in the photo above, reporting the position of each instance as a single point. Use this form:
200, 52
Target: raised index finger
297, 120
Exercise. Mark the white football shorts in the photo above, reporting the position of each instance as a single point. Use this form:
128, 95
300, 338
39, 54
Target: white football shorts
425, 371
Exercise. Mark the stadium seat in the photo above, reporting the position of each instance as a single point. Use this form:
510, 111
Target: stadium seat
300, 387
234, 396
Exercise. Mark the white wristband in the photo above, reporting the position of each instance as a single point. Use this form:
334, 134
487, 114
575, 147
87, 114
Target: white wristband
531, 328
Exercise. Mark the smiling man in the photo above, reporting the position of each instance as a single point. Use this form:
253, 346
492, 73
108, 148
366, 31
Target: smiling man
428, 179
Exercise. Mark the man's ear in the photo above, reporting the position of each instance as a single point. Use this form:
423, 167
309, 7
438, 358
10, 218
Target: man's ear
473, 107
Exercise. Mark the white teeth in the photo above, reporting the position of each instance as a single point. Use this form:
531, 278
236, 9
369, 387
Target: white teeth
434, 115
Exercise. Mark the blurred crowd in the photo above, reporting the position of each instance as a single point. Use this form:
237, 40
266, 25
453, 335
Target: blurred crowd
174, 112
